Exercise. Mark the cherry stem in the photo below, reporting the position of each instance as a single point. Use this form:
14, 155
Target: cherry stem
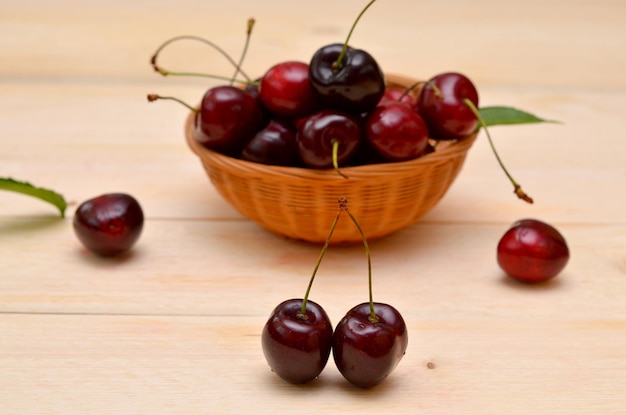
410, 89
154, 97
317, 265
435, 88
343, 205
245, 51
165, 72
335, 159
337, 63
517, 189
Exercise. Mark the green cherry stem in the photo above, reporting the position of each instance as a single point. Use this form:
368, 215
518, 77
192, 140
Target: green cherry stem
245, 51
337, 63
517, 189
343, 205
317, 265
335, 159
165, 72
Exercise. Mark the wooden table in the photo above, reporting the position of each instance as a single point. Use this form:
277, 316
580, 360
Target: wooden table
174, 327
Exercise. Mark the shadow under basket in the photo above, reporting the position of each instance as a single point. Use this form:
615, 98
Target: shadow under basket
301, 203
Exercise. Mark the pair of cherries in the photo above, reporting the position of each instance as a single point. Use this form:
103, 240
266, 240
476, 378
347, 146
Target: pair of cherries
367, 344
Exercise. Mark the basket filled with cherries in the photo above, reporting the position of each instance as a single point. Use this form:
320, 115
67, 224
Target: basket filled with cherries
283, 147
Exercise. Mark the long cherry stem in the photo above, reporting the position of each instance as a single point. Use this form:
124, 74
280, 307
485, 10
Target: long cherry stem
154, 97
165, 72
517, 189
343, 205
337, 63
319, 261
245, 51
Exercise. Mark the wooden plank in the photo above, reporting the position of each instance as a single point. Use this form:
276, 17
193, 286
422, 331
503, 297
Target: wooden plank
76, 364
235, 268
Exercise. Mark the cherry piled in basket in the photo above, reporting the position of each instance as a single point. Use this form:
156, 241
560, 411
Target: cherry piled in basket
278, 146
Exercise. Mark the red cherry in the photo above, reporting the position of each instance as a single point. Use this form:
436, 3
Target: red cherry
275, 144
227, 118
532, 251
285, 90
367, 351
441, 104
318, 132
109, 224
297, 345
396, 131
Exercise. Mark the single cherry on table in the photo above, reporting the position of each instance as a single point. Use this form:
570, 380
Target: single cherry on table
532, 251
109, 224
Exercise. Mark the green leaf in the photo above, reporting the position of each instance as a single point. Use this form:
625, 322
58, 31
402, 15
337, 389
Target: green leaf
499, 115
46, 195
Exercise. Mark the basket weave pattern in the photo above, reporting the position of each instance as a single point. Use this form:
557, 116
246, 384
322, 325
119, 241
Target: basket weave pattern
301, 203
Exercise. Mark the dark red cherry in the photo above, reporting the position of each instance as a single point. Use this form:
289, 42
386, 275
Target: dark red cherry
296, 345
275, 144
285, 90
532, 251
318, 132
367, 351
441, 104
109, 224
227, 118
396, 131
355, 85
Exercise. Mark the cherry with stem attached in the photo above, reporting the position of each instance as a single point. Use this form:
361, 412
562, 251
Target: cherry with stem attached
346, 78
372, 338
297, 337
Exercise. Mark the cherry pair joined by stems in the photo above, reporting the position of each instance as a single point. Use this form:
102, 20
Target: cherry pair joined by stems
367, 344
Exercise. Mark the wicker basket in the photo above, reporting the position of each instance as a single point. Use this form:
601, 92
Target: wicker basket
301, 203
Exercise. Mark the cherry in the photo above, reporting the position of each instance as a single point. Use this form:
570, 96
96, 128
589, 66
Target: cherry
356, 85
297, 344
346, 78
328, 138
532, 251
109, 224
396, 131
275, 144
297, 337
441, 104
228, 117
366, 351
285, 90
372, 338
